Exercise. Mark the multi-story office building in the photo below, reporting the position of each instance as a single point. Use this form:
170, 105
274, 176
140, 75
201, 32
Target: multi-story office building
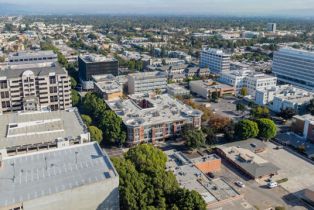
90, 65
35, 88
251, 80
294, 67
145, 82
25, 132
271, 27
151, 118
76, 177
216, 60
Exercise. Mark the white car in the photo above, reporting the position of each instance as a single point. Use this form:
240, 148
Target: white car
272, 184
240, 184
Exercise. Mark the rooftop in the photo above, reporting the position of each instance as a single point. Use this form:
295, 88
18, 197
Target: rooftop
32, 54
210, 84
29, 176
18, 129
192, 178
148, 75
293, 94
54, 68
215, 51
94, 58
109, 86
158, 109
243, 155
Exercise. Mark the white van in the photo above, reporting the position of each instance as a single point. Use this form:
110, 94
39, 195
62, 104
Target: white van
272, 184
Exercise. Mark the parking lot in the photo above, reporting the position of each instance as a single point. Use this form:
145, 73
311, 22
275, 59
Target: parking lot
299, 172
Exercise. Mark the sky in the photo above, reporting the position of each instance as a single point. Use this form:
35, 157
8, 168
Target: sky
202, 7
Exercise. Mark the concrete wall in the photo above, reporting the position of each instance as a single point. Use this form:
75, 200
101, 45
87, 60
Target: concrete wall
97, 196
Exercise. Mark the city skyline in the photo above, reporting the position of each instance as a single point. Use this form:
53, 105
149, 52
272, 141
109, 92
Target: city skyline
163, 7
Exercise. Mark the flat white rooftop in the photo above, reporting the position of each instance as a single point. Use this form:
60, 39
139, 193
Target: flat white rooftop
17, 129
30, 176
160, 109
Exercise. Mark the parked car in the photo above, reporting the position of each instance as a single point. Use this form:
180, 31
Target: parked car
272, 184
240, 184
211, 175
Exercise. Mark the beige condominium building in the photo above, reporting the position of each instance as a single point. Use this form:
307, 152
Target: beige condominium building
35, 88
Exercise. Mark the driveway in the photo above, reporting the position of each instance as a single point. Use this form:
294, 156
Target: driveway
299, 172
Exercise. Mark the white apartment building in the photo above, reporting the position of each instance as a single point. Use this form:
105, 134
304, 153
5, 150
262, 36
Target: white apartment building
282, 97
35, 89
251, 80
145, 82
294, 67
216, 60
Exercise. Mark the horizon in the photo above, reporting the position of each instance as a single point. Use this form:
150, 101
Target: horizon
245, 8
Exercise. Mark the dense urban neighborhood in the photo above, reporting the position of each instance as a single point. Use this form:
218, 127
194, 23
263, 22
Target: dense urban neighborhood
143, 112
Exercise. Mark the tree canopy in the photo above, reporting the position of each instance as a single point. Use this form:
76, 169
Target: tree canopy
86, 119
310, 107
95, 134
75, 96
145, 183
287, 113
246, 129
107, 120
260, 112
194, 138
267, 128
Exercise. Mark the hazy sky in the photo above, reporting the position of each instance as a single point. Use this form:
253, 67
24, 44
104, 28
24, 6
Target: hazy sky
249, 7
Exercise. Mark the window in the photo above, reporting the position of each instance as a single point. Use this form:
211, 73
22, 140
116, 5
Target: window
5, 104
3, 84
52, 80
5, 94
53, 89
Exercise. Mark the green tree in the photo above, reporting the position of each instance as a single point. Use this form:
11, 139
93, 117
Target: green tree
186, 199
214, 96
94, 106
210, 135
95, 134
267, 128
145, 183
310, 107
147, 158
73, 83
86, 119
244, 91
260, 112
194, 138
246, 129
240, 107
111, 125
287, 113
75, 96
